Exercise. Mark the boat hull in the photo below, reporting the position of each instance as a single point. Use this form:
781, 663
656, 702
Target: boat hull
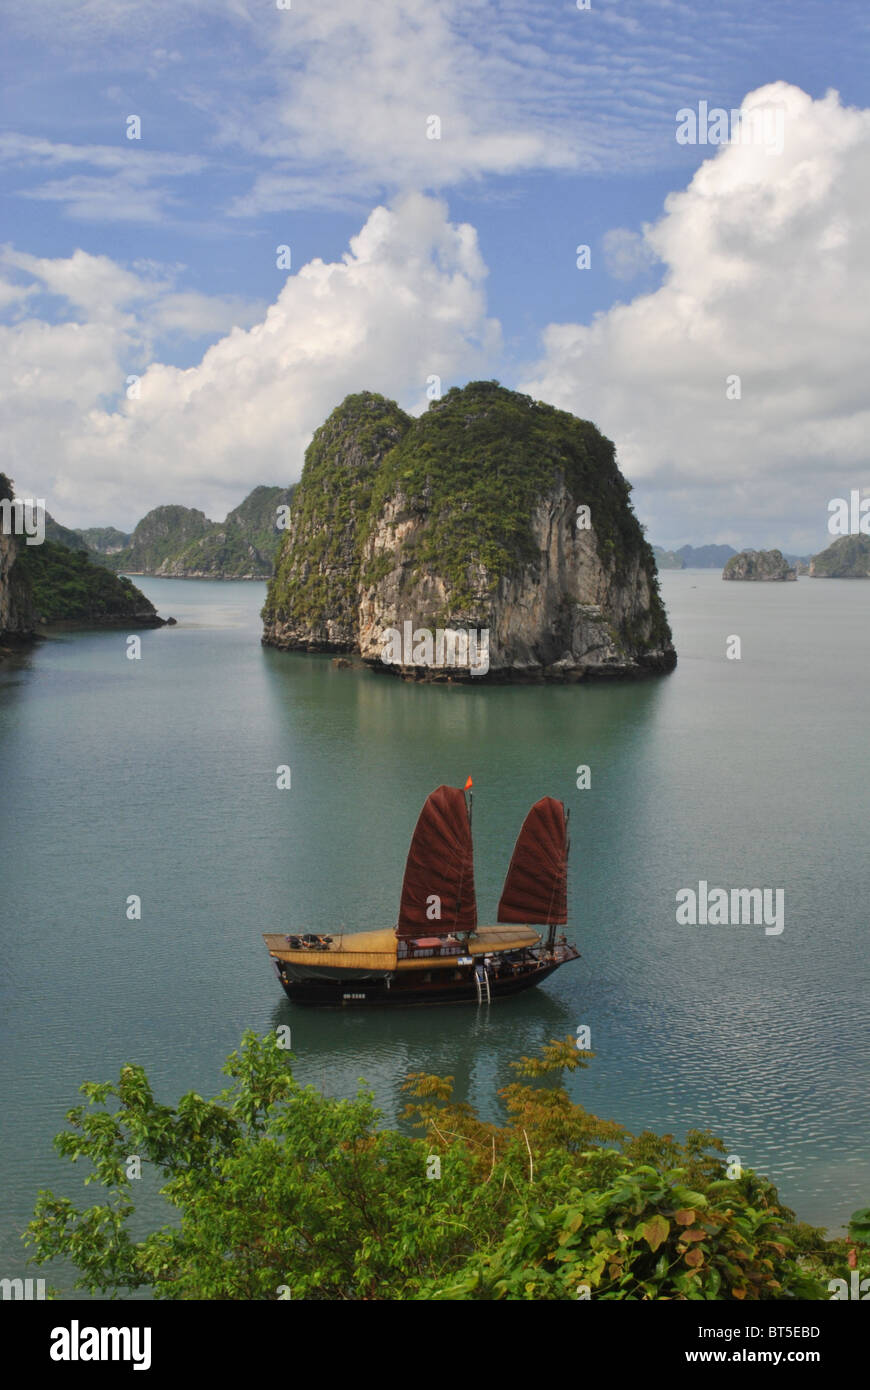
412, 988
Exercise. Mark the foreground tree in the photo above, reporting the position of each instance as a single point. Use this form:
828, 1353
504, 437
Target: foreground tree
283, 1192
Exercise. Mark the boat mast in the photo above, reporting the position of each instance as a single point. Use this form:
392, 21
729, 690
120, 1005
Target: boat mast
469, 806
551, 934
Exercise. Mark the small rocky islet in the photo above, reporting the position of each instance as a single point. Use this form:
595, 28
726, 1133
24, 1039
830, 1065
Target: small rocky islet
491, 512
846, 558
764, 566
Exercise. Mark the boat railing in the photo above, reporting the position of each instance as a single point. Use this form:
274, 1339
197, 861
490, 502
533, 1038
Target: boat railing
407, 948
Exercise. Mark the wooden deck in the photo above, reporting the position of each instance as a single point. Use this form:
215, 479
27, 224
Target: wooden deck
378, 950
362, 950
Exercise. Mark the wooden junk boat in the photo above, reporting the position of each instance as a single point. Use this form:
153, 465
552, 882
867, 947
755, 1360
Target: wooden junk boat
437, 953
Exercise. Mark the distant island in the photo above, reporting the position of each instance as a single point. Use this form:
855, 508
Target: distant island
761, 565
695, 557
710, 557
490, 513
75, 576
57, 582
846, 558
182, 543
105, 540
668, 559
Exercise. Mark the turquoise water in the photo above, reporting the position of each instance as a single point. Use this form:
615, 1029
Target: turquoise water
158, 778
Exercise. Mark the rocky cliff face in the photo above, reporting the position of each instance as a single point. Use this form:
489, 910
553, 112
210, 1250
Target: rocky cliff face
847, 558
51, 582
313, 599
491, 514
759, 564
17, 616
566, 613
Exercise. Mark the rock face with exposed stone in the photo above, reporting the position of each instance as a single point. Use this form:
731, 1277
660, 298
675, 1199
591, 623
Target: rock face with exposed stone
763, 565
491, 513
17, 616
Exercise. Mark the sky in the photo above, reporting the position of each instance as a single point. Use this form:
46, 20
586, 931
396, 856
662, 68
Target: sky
220, 217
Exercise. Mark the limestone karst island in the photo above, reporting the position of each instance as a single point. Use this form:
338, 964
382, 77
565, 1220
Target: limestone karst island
490, 514
764, 566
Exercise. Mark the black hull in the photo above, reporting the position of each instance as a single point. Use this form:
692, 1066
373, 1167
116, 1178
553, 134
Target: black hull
405, 989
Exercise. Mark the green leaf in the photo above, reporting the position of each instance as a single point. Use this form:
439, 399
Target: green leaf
859, 1226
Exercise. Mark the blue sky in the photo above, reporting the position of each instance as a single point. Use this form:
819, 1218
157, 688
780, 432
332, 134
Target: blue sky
260, 127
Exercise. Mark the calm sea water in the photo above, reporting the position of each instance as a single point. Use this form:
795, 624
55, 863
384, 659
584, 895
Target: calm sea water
158, 777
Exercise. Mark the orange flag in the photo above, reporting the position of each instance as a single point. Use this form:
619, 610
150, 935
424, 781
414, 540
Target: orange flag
468, 784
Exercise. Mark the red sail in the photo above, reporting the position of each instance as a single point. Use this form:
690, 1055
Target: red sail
536, 887
440, 865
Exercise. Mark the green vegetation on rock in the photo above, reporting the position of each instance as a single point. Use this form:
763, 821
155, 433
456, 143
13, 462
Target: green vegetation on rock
479, 461
62, 535
283, 1192
846, 558
106, 540
759, 565
162, 535
57, 581
174, 540
67, 586
315, 580
668, 559
468, 477
256, 519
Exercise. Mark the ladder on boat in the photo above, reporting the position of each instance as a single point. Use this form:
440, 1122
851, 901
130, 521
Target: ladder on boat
481, 980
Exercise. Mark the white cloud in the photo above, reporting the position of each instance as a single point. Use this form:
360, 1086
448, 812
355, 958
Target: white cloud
120, 199
14, 296
626, 253
91, 21
94, 284
130, 185
37, 151
328, 103
193, 315
354, 87
767, 278
405, 302
142, 305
